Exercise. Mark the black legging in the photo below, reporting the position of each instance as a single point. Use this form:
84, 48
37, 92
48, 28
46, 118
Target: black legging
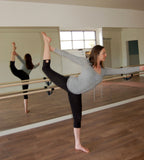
20, 74
74, 99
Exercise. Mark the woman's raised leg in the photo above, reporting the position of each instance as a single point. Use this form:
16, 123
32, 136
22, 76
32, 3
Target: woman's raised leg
47, 40
13, 52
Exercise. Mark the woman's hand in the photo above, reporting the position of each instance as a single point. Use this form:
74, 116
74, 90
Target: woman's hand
51, 48
141, 68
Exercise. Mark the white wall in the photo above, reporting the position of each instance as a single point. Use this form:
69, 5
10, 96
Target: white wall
66, 16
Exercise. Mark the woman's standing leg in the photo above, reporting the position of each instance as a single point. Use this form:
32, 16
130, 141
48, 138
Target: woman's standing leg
76, 107
23, 76
75, 100
26, 106
20, 74
25, 87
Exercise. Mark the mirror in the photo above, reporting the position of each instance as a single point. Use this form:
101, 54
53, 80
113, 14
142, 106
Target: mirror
28, 40
117, 43
42, 106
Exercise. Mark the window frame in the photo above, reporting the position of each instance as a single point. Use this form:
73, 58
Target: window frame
83, 40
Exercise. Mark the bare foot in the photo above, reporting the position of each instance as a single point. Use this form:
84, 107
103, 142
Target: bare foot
45, 37
81, 148
13, 43
14, 47
27, 111
14, 53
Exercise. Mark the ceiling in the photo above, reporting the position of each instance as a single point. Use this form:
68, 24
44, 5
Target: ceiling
122, 4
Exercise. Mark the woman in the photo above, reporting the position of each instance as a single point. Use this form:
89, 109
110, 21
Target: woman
91, 75
24, 72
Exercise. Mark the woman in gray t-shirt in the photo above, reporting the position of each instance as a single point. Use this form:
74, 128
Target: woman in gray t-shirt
92, 74
24, 72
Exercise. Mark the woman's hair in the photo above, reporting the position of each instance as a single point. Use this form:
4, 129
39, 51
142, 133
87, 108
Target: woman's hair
94, 54
28, 60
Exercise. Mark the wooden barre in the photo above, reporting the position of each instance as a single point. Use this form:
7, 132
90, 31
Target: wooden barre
54, 86
23, 82
34, 79
27, 90
20, 81
39, 90
120, 77
45, 80
22, 94
38, 80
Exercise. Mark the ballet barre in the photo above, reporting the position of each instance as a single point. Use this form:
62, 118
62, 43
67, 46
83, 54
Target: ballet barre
39, 90
16, 94
23, 82
121, 77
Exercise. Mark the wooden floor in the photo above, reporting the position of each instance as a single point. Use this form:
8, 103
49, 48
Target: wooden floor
44, 107
111, 134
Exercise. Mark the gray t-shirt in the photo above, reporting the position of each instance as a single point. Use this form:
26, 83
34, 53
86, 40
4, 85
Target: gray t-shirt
89, 78
23, 66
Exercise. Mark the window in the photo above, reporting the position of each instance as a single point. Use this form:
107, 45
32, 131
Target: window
77, 39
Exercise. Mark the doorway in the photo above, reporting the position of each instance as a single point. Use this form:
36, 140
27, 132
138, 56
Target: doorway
133, 52
107, 45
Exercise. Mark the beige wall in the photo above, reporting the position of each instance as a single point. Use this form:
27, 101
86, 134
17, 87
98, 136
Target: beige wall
70, 67
28, 40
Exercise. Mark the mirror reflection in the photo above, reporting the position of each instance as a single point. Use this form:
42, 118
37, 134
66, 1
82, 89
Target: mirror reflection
43, 106
28, 40
24, 72
124, 46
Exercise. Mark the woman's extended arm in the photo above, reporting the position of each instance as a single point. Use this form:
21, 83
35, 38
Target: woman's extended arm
20, 58
127, 70
36, 65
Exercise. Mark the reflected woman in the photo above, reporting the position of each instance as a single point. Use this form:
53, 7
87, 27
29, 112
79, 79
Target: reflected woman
22, 73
